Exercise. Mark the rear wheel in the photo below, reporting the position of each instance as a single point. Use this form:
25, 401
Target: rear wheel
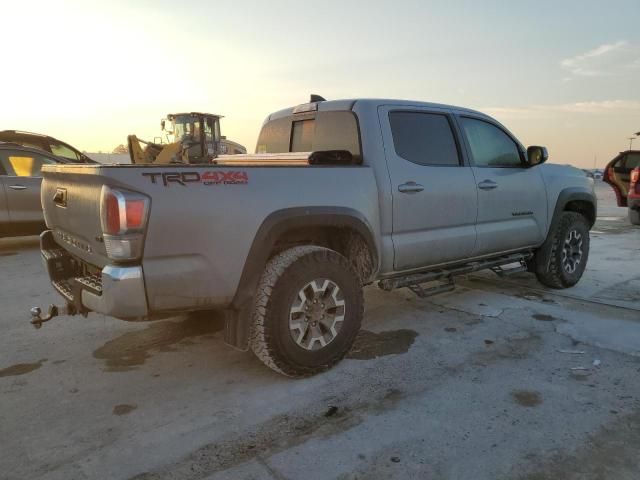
634, 216
307, 312
561, 260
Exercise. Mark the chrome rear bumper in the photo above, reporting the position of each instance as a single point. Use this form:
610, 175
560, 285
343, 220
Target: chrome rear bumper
115, 291
123, 294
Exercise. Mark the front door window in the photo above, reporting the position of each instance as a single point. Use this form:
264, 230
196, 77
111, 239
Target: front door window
490, 146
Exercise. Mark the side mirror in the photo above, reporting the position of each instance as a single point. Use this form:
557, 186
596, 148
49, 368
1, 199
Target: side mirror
536, 155
162, 122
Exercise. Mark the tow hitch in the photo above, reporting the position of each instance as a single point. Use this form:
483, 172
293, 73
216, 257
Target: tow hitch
36, 313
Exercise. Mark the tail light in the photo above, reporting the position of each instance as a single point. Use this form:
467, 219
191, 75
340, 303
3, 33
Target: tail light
124, 216
634, 186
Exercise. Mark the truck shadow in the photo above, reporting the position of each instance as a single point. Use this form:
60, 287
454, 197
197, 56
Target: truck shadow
132, 349
12, 245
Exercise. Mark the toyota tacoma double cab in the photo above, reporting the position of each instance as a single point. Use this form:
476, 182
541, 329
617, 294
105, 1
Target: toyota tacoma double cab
339, 194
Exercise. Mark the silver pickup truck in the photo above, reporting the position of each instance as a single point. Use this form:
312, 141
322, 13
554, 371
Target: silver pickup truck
402, 193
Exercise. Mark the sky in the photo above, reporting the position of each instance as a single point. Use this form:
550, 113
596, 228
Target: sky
558, 73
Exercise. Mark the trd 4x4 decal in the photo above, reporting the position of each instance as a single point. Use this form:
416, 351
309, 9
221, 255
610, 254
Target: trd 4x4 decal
210, 177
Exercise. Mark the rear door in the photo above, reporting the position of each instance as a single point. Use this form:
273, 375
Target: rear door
22, 185
512, 199
434, 192
618, 174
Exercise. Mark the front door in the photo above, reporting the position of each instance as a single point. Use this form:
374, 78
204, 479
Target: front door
512, 199
434, 192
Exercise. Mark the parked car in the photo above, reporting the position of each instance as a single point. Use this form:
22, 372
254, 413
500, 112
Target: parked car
401, 193
622, 174
46, 143
20, 178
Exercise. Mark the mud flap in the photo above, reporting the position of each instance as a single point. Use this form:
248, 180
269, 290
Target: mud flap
237, 327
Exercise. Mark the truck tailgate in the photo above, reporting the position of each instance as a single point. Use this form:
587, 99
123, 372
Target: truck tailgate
70, 198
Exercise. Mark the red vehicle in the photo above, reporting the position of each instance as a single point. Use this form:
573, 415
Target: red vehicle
623, 174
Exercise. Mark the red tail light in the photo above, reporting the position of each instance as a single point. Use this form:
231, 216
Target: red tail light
123, 212
111, 213
135, 210
635, 181
124, 218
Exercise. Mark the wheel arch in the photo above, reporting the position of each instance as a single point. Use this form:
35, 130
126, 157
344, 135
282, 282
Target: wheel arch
574, 199
324, 226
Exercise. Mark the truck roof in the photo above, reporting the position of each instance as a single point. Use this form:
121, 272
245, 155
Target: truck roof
349, 104
194, 114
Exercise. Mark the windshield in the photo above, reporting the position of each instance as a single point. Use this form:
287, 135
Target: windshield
186, 128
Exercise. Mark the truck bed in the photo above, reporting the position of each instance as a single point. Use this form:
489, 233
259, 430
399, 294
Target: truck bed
203, 218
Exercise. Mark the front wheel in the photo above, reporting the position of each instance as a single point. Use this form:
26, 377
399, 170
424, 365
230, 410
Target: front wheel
561, 260
307, 311
634, 216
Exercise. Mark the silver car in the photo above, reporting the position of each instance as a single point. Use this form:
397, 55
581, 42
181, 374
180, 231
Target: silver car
20, 178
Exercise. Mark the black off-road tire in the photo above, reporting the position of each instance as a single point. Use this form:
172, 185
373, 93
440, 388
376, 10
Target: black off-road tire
548, 261
634, 216
285, 274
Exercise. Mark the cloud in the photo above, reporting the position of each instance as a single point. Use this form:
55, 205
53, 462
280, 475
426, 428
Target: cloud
604, 60
590, 107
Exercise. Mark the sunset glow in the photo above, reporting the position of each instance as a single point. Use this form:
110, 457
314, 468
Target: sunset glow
90, 73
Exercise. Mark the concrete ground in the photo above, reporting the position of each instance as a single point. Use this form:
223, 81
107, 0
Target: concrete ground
501, 379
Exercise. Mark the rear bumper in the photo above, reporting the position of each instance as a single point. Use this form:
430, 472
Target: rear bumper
122, 296
115, 291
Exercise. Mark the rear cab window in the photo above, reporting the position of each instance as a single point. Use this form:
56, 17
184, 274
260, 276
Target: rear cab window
302, 133
318, 131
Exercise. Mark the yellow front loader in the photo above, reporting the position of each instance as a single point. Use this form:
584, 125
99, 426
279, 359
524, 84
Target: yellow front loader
191, 138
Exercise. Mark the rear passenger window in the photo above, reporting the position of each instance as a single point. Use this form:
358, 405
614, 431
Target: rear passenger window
424, 138
23, 164
632, 160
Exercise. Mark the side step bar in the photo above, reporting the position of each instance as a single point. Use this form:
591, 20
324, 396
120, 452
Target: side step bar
422, 292
445, 275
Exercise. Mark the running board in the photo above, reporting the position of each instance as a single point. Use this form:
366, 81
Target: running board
414, 281
424, 292
501, 272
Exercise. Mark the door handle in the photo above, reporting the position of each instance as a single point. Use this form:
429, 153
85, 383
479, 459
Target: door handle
487, 185
17, 187
410, 187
